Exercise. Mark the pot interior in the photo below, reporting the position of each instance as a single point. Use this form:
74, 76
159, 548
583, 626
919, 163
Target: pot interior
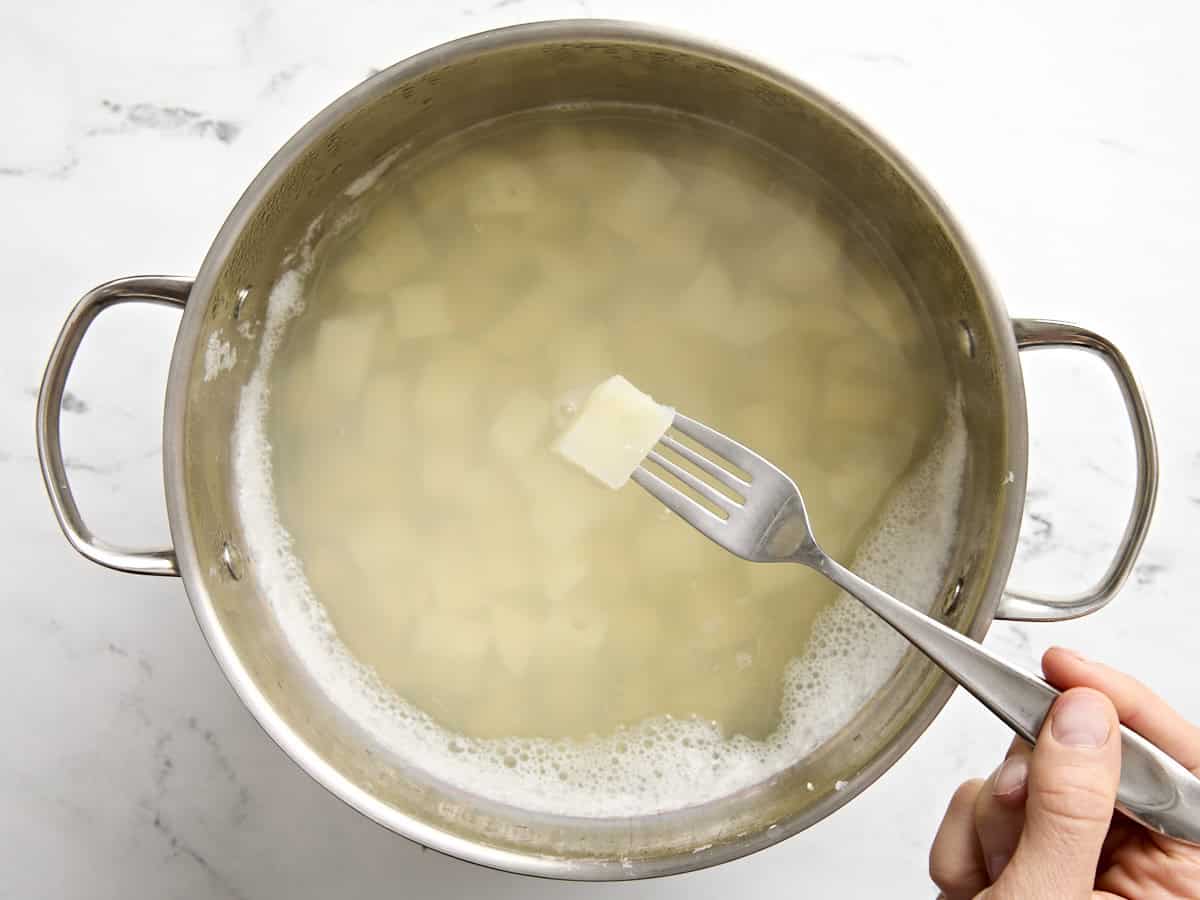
445, 91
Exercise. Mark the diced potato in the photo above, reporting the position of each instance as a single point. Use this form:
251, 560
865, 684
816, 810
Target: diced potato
506, 563
706, 301
759, 315
420, 310
448, 388
610, 582
530, 322
615, 429
499, 186
627, 509
364, 273
340, 481
485, 492
383, 543
390, 245
794, 365
583, 358
642, 196
721, 196
829, 321
341, 354
561, 273
515, 632
638, 339
386, 424
565, 159
674, 252
710, 303
374, 627
480, 281
501, 560
387, 552
563, 570
884, 307
563, 501
593, 267
555, 217
458, 585
438, 193
519, 426
395, 229
803, 256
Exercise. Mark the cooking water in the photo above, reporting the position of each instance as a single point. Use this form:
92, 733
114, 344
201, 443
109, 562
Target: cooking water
492, 614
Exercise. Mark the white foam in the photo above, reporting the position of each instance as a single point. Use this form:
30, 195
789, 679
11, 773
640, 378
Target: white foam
219, 356
366, 181
662, 763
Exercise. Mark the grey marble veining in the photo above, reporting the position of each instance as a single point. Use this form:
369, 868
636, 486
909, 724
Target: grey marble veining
1058, 133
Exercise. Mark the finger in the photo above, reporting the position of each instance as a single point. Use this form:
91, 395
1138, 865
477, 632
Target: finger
1000, 809
1138, 706
1018, 745
1120, 830
1073, 775
955, 862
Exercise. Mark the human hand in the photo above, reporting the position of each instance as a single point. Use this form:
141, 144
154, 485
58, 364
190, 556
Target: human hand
1043, 827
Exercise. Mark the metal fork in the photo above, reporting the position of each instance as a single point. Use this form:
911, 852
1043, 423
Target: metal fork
768, 523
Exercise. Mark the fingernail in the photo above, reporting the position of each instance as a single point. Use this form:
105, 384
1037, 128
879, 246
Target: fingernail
1011, 775
995, 865
1075, 653
1080, 719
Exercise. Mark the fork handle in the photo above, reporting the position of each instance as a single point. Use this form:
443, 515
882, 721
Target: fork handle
1155, 789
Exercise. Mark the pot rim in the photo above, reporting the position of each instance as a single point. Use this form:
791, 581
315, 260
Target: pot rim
186, 347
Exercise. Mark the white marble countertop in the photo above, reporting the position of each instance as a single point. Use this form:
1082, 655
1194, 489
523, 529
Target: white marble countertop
1064, 137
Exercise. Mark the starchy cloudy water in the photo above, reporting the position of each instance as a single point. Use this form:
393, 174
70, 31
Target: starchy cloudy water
503, 621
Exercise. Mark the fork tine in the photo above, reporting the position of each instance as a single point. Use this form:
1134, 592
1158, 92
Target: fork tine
703, 520
724, 447
705, 464
703, 488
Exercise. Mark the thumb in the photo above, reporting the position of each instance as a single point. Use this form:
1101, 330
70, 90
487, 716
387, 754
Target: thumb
1073, 776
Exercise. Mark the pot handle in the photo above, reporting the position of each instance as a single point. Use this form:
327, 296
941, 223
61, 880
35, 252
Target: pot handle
145, 289
1032, 334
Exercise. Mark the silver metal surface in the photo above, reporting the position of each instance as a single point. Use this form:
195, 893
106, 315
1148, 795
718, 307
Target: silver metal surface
572, 65
1025, 606
148, 289
768, 523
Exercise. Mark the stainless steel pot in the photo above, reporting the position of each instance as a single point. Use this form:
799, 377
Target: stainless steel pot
440, 92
